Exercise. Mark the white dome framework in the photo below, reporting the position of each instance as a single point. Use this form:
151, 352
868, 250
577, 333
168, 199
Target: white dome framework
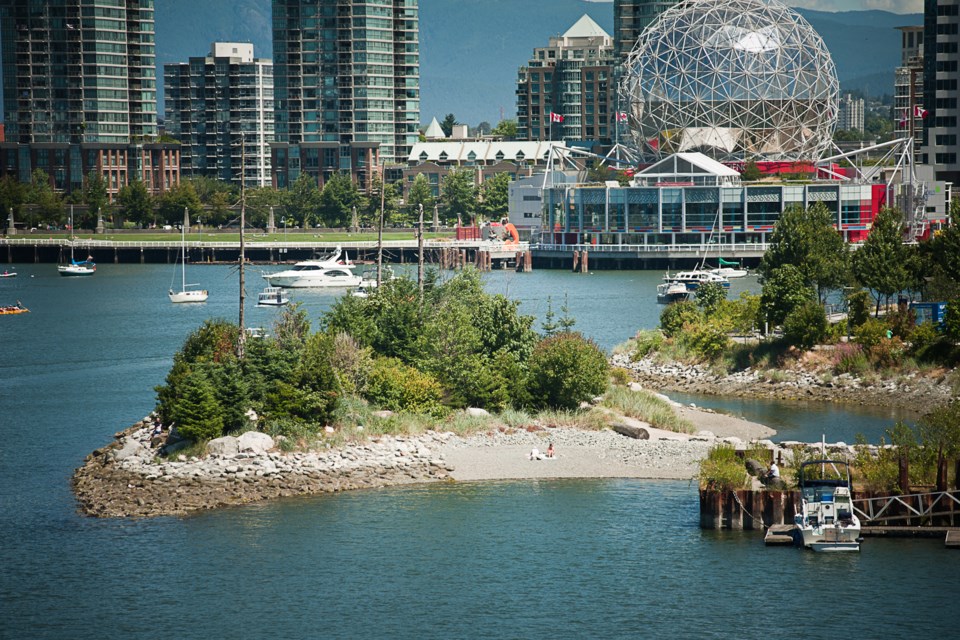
735, 79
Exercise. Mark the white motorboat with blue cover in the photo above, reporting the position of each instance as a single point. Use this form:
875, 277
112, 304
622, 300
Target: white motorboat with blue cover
827, 521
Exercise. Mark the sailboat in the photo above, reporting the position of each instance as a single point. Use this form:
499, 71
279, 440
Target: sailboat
185, 294
85, 268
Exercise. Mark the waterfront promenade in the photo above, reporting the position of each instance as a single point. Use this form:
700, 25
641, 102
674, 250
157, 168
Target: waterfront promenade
222, 247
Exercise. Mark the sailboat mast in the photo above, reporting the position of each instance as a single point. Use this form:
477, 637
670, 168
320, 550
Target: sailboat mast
183, 251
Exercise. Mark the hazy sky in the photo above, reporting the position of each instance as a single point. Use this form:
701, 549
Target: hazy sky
894, 6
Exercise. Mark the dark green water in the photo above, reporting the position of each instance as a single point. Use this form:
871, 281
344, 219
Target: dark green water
562, 559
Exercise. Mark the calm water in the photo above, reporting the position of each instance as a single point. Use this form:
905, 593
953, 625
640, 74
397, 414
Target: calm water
525, 559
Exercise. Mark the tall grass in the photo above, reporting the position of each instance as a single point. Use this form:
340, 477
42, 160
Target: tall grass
646, 406
722, 470
589, 419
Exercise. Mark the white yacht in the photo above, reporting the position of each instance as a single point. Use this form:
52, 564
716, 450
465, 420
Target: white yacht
328, 271
826, 521
696, 277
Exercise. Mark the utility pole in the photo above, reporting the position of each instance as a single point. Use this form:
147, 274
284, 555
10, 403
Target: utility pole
420, 252
241, 341
383, 190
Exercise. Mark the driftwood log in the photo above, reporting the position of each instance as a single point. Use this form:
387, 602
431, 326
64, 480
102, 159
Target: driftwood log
637, 433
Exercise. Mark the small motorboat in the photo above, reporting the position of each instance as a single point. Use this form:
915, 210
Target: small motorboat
272, 297
12, 309
670, 292
8, 274
827, 522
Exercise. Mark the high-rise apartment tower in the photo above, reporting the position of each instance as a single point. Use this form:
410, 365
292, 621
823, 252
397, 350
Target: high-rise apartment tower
213, 104
941, 73
566, 90
347, 86
80, 94
630, 18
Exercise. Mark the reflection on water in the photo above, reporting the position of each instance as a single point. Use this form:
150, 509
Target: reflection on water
566, 559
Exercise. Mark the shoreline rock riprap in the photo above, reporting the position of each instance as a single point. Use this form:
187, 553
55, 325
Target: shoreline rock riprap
910, 391
128, 478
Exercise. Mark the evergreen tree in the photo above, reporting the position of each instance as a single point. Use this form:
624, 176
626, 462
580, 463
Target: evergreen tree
447, 125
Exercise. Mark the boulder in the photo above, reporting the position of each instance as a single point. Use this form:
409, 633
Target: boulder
255, 442
225, 446
477, 412
129, 449
631, 431
383, 414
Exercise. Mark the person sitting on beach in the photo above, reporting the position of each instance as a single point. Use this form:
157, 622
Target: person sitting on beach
535, 454
550, 451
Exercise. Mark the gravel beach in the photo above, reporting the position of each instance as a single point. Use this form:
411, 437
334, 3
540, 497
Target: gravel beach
127, 479
595, 454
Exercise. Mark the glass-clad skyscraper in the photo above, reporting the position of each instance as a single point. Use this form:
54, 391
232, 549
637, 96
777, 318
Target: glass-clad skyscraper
347, 86
78, 70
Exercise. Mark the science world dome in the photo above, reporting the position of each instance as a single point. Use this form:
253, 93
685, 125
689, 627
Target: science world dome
735, 79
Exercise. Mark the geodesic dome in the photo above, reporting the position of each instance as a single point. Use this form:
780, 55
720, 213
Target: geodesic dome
735, 79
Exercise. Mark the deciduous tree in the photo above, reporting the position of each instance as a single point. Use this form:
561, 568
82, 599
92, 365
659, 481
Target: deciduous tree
495, 193
458, 195
881, 264
807, 240
302, 200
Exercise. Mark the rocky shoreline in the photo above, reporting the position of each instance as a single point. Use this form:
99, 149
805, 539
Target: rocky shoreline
127, 479
910, 391
130, 478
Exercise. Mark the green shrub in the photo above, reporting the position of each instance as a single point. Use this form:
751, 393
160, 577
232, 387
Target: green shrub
850, 358
710, 296
880, 472
398, 387
951, 320
675, 316
351, 363
708, 339
647, 342
619, 377
888, 353
858, 307
805, 325
722, 470
870, 333
565, 370
902, 323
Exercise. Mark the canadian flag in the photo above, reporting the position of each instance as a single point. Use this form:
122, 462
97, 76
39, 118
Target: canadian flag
902, 122
555, 117
919, 112
621, 116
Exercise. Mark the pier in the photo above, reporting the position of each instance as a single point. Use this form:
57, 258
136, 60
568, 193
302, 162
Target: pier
448, 253
934, 514
223, 247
